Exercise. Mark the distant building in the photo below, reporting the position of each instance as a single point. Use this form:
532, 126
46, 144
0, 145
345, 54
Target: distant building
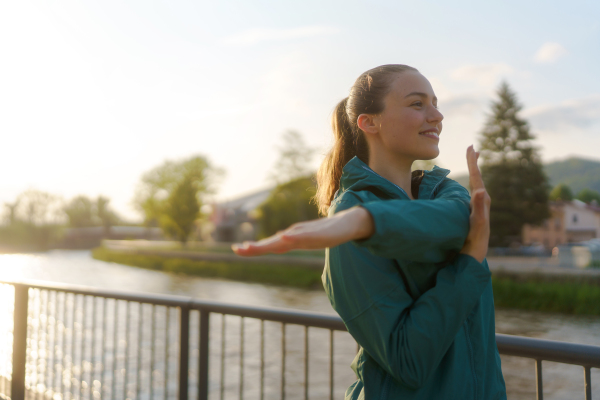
234, 220
570, 222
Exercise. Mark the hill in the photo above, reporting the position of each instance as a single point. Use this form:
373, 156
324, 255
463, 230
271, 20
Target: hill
577, 173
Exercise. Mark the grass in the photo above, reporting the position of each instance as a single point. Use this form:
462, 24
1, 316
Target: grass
568, 294
578, 295
242, 271
201, 247
566, 297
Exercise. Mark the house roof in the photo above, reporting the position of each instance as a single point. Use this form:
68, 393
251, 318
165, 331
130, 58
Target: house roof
246, 202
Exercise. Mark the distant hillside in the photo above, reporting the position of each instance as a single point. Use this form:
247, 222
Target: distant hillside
577, 173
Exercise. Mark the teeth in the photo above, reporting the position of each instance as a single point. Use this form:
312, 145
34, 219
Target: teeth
430, 133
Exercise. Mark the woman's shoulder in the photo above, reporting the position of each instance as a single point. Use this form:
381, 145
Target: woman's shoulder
450, 187
347, 199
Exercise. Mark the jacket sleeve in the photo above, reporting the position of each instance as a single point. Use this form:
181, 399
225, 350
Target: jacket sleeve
420, 230
407, 338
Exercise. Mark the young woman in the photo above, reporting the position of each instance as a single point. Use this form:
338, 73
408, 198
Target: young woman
405, 262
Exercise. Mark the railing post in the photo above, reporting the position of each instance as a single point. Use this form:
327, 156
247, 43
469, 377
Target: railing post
203, 361
587, 378
538, 380
19, 342
184, 344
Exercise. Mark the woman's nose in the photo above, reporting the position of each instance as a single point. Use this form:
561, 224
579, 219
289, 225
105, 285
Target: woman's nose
434, 115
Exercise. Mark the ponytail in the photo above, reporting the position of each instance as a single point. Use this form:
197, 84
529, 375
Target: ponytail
366, 97
348, 142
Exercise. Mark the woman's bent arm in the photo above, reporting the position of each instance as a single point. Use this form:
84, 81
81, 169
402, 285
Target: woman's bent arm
407, 338
420, 230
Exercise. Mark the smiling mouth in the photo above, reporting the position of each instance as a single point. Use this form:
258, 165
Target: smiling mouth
431, 134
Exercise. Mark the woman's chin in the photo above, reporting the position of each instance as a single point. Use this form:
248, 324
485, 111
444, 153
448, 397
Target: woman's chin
430, 153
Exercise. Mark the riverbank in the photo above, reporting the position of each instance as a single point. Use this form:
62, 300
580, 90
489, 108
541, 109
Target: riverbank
276, 273
567, 293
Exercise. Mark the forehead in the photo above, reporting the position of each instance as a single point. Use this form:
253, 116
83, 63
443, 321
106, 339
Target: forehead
409, 82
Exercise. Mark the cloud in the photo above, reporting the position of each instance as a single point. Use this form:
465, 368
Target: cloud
563, 118
465, 105
549, 53
257, 35
484, 74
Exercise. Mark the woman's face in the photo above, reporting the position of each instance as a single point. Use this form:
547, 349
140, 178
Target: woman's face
410, 122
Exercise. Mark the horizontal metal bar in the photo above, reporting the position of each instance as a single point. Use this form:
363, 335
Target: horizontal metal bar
539, 349
314, 319
163, 299
549, 350
319, 320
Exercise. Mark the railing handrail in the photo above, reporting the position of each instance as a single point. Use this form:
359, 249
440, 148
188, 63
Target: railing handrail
538, 349
278, 314
549, 350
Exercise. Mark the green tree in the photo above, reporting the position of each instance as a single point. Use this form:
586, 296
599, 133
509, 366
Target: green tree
588, 195
181, 210
80, 212
38, 208
11, 212
294, 158
105, 215
164, 194
287, 204
512, 171
34, 221
561, 192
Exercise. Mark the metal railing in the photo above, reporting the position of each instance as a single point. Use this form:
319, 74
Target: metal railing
68, 342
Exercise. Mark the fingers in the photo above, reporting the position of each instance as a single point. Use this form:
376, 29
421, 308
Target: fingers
475, 178
273, 244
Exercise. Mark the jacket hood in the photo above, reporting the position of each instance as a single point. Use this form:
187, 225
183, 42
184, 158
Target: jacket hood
357, 176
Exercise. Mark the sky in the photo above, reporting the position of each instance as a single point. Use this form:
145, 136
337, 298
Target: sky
95, 93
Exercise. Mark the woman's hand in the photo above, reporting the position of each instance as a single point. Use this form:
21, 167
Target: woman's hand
476, 244
352, 224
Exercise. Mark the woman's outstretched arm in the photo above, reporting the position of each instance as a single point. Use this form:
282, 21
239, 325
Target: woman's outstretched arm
359, 224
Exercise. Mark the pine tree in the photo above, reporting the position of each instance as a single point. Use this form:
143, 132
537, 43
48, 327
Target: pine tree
512, 171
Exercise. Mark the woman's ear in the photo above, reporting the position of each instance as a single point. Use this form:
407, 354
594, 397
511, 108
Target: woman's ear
368, 123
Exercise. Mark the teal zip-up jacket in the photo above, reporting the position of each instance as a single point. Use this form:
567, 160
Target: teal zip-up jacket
422, 313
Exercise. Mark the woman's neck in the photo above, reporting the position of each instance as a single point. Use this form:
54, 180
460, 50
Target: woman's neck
395, 170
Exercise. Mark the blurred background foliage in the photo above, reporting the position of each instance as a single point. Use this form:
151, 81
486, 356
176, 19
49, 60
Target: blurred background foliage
291, 199
175, 196
171, 195
287, 204
512, 171
37, 220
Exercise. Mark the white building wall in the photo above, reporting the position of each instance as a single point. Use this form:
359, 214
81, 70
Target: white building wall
579, 218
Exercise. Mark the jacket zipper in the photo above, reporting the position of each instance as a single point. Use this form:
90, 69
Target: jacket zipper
437, 184
471, 356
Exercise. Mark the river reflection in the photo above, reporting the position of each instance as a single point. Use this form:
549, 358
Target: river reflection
76, 267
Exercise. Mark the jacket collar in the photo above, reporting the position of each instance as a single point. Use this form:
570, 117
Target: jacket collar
357, 175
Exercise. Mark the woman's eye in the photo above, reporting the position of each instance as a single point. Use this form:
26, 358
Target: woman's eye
417, 103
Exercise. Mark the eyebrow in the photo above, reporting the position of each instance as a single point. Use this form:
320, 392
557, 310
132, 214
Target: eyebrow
420, 94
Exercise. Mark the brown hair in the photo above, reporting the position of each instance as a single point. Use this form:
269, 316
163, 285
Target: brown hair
366, 97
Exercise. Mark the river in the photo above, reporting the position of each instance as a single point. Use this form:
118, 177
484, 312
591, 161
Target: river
77, 267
